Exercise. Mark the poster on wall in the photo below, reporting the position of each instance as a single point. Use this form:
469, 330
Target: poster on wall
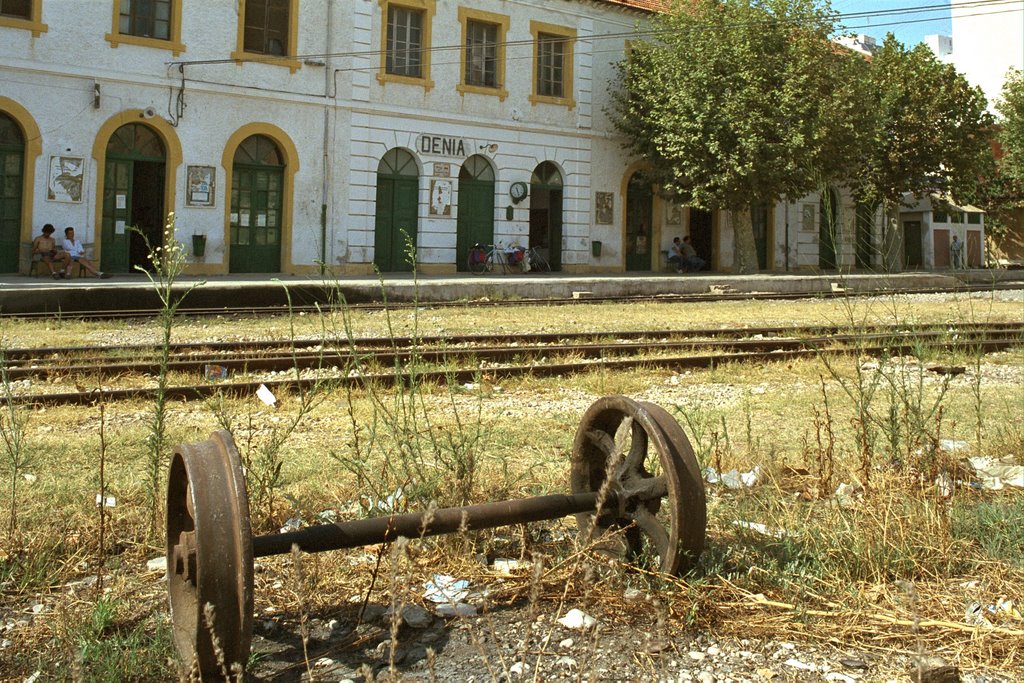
674, 215
440, 197
66, 179
201, 186
604, 203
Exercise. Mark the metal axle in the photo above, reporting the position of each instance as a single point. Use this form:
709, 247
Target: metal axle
362, 532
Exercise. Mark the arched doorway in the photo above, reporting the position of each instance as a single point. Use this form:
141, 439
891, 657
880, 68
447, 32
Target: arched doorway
133, 197
476, 207
12, 156
828, 226
257, 193
396, 224
639, 210
546, 212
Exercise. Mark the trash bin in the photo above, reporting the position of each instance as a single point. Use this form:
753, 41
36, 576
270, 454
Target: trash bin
198, 245
595, 248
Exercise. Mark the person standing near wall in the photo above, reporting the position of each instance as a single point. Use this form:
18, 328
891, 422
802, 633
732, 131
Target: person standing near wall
956, 251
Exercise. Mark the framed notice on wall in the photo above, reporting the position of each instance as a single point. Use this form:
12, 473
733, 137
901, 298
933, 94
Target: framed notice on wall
200, 186
65, 180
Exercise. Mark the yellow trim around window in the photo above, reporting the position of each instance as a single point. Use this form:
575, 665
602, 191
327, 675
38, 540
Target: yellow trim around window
467, 15
35, 24
569, 34
241, 56
172, 148
174, 44
33, 148
291, 166
428, 7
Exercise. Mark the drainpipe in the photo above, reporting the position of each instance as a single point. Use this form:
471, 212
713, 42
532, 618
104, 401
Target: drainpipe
786, 205
325, 185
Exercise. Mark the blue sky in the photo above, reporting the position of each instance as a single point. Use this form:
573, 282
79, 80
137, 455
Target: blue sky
909, 26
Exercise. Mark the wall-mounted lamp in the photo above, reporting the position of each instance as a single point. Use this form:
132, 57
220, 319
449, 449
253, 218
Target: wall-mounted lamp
489, 148
95, 95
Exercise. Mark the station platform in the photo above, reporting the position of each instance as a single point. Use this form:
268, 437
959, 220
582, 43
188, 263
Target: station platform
33, 295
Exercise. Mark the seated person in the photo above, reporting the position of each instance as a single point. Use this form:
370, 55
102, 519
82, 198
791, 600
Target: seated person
675, 255
46, 247
76, 252
690, 259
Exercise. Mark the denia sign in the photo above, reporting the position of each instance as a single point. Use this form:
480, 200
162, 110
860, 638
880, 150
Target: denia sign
440, 145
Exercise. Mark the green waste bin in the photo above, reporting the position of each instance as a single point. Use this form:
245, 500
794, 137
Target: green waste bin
595, 248
198, 245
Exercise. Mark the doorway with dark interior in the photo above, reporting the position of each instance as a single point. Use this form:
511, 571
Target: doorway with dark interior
701, 234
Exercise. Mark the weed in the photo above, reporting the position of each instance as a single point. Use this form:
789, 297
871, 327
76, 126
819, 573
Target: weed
169, 260
16, 456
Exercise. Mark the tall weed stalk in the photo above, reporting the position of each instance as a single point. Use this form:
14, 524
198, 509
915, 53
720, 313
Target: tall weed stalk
169, 260
17, 458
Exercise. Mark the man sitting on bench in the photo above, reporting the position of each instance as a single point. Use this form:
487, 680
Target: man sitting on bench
76, 252
46, 247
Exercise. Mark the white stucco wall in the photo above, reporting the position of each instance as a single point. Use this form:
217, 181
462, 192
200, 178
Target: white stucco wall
987, 42
335, 96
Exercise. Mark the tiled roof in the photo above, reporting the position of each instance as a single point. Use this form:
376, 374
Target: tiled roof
649, 5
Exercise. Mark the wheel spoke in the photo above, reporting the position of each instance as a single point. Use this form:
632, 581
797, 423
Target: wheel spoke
647, 489
654, 530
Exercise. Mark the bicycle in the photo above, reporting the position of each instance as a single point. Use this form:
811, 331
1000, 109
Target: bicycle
536, 261
487, 258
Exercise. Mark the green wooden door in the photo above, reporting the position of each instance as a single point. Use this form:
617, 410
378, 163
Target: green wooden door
395, 224
639, 200
117, 194
476, 218
12, 155
256, 194
476, 208
397, 211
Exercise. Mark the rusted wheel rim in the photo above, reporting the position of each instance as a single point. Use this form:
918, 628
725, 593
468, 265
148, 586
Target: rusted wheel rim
209, 557
659, 515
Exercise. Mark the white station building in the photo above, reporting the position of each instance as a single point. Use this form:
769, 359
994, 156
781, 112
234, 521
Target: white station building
309, 136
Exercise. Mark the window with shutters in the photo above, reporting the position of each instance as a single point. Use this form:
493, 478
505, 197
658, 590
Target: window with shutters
405, 41
148, 23
483, 53
552, 64
268, 32
24, 14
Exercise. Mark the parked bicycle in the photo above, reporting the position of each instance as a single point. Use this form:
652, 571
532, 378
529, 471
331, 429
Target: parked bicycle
488, 258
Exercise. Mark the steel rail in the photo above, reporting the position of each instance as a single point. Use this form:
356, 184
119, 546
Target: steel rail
464, 375
191, 350
334, 358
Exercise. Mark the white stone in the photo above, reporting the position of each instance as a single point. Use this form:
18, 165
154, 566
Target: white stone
157, 564
577, 619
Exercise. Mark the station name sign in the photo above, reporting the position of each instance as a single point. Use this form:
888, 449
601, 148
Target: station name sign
442, 146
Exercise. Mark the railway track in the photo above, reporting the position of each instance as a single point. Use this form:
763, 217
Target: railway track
322, 302
456, 359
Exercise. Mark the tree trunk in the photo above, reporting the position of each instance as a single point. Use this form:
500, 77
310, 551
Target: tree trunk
745, 251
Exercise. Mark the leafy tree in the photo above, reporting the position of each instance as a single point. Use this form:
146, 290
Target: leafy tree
1011, 130
927, 132
740, 102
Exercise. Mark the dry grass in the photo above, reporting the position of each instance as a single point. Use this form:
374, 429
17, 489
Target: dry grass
892, 570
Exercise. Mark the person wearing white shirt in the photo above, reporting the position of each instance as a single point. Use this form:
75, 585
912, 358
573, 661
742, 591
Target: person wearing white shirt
76, 251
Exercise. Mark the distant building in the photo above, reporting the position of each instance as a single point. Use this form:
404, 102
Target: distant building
929, 225
861, 43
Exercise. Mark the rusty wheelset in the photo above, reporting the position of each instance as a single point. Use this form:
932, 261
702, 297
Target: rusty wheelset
636, 489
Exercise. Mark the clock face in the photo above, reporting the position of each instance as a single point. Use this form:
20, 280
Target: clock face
518, 191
